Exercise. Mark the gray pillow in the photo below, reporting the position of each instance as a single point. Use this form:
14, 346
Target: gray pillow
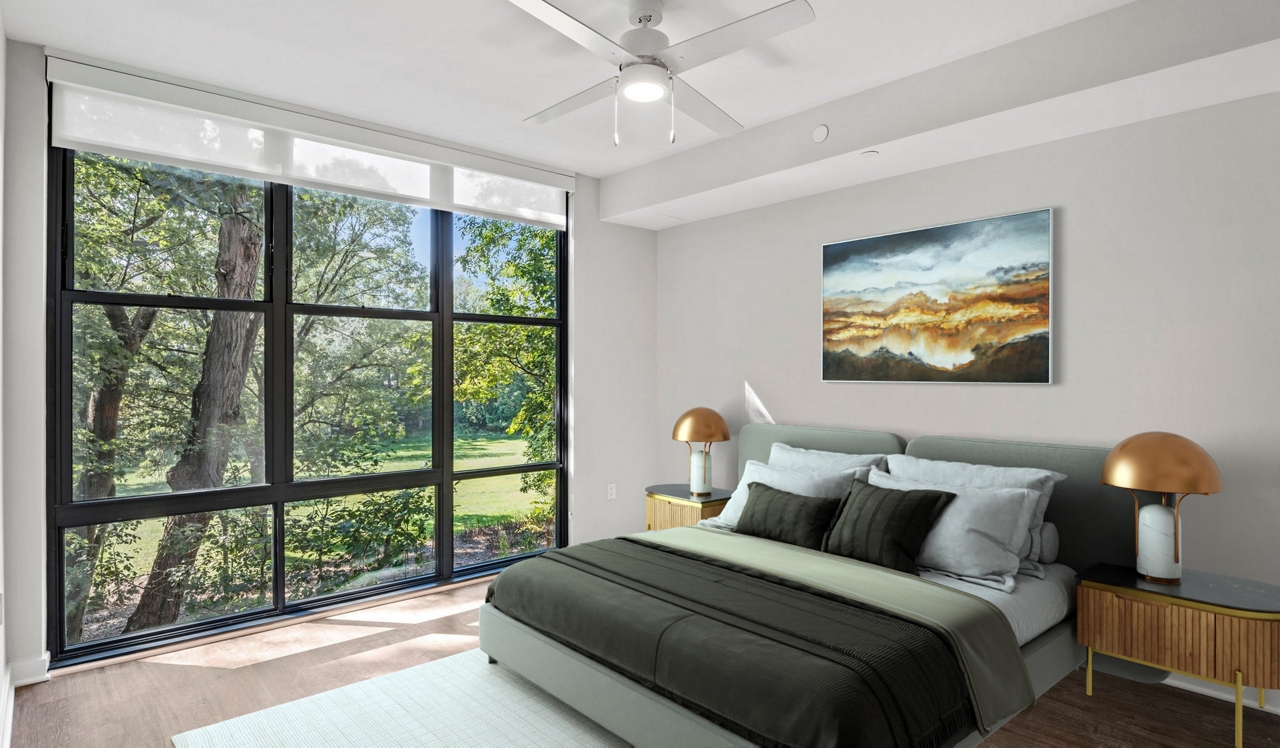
1048, 543
829, 485
885, 527
945, 473
787, 517
978, 535
785, 455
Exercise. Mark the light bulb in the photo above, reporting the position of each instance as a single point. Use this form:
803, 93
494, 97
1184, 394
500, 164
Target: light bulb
644, 91
644, 82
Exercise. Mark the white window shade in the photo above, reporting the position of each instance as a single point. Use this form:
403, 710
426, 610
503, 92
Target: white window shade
165, 123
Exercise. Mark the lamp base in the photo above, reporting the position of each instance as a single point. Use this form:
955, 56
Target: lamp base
700, 472
1155, 545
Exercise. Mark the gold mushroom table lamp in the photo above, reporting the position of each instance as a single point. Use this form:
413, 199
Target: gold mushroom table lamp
1167, 464
703, 426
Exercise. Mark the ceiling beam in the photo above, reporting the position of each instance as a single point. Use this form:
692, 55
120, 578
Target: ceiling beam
1132, 41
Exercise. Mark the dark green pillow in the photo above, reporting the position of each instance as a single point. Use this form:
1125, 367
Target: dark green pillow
885, 527
787, 517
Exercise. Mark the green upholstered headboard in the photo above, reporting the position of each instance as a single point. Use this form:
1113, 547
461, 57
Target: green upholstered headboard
1095, 522
756, 439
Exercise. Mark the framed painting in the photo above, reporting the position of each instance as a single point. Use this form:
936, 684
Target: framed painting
965, 302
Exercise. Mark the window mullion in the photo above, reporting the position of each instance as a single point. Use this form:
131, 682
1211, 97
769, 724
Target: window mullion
442, 385
279, 375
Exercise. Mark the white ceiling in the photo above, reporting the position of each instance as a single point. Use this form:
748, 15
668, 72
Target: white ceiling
470, 71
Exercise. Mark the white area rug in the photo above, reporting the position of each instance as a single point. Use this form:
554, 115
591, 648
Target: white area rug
457, 701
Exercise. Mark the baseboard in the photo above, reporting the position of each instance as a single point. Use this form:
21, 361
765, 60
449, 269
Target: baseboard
1195, 685
29, 671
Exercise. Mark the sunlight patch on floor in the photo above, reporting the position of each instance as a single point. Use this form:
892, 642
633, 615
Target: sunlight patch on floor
414, 610
267, 645
413, 651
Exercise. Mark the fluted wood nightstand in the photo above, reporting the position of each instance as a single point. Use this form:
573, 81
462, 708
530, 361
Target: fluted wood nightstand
669, 505
1213, 627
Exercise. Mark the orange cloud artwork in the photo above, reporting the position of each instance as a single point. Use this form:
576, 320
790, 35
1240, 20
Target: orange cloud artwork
966, 302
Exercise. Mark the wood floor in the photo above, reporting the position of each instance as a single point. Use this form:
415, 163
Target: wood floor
145, 702
1124, 713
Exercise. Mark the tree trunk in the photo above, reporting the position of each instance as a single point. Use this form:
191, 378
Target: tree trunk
98, 481
215, 408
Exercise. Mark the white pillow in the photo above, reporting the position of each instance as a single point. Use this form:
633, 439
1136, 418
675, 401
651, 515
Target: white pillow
823, 485
787, 456
978, 536
984, 476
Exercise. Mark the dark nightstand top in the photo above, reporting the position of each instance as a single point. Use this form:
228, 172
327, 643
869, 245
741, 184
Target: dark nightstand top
1197, 587
681, 491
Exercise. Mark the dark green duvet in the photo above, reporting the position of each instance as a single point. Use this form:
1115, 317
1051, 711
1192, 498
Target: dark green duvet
772, 659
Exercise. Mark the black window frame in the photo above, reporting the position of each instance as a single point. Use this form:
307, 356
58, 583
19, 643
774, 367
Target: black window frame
279, 488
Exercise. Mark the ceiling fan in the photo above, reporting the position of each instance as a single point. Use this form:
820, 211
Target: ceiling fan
648, 63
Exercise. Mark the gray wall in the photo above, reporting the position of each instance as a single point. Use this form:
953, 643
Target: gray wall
6, 692
612, 383
24, 290
1166, 273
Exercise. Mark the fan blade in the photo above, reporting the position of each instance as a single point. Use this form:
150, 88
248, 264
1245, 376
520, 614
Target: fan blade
576, 30
597, 92
694, 104
737, 35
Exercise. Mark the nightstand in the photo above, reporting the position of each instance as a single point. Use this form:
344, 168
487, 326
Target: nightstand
670, 505
1213, 627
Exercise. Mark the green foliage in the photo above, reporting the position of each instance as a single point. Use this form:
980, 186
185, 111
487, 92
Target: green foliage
518, 263
145, 228
358, 388
356, 541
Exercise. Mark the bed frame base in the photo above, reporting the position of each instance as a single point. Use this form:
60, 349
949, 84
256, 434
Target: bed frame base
615, 702
643, 718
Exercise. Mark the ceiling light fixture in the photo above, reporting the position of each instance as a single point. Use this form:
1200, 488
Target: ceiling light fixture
644, 82
648, 63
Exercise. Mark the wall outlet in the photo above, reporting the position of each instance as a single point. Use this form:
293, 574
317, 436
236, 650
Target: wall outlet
613, 491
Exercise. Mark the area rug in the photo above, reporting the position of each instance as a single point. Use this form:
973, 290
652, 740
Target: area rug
456, 701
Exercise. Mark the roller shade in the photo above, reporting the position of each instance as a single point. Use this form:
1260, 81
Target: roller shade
107, 111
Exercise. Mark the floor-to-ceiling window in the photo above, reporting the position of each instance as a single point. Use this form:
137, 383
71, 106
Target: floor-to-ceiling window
265, 398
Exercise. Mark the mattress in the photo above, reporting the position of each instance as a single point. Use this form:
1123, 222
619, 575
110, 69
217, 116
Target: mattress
1034, 606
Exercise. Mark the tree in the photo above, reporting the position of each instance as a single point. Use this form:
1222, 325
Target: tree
138, 228
215, 407
516, 264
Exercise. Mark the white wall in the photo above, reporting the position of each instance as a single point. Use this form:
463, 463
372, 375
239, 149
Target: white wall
613, 355
6, 691
22, 398
1166, 260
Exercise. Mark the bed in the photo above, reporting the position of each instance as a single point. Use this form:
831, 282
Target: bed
588, 648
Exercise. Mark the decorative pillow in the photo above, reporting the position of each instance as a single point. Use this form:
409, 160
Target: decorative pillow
886, 527
978, 535
787, 517
984, 476
1048, 543
786, 456
826, 485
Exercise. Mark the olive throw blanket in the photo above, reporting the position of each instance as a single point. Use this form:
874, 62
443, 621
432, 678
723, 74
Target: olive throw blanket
779, 644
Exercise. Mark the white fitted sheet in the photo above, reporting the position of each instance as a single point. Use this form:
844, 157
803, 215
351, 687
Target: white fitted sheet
1034, 606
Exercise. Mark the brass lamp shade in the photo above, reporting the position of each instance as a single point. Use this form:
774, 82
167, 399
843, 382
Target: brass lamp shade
700, 425
1162, 462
